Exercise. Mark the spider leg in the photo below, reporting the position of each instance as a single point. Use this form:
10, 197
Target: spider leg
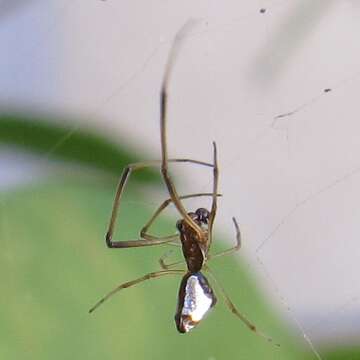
152, 275
120, 188
165, 266
178, 41
214, 197
142, 242
234, 248
252, 327
144, 231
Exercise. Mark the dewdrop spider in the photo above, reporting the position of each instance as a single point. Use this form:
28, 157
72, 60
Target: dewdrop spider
196, 296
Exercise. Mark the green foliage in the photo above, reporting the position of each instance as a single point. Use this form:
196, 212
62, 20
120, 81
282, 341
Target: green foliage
343, 353
35, 134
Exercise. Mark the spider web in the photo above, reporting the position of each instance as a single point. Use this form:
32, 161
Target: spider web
275, 84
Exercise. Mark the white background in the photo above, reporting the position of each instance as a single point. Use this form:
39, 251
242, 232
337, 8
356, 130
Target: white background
293, 182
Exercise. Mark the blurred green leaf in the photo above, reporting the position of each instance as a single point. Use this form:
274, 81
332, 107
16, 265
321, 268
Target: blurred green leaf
36, 134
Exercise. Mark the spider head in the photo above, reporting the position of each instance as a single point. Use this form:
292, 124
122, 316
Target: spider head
202, 216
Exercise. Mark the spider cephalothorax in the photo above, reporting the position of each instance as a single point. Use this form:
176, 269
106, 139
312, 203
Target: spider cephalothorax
194, 248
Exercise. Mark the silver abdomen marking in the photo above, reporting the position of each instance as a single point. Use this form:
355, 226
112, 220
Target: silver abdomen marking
196, 298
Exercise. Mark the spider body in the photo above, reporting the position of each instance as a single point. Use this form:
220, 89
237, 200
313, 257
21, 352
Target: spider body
195, 297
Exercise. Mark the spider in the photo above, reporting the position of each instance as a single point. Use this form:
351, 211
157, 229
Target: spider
196, 296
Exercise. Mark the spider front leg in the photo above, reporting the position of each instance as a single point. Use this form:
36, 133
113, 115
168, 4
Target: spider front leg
163, 123
120, 189
144, 231
234, 248
215, 190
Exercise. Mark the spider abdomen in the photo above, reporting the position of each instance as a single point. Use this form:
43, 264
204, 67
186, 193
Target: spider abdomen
195, 299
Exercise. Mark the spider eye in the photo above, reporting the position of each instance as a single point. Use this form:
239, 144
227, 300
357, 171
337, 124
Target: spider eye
179, 225
203, 215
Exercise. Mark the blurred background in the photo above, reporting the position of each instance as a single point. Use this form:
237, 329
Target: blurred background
273, 82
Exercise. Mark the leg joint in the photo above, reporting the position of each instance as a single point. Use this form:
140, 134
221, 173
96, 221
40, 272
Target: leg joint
108, 240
